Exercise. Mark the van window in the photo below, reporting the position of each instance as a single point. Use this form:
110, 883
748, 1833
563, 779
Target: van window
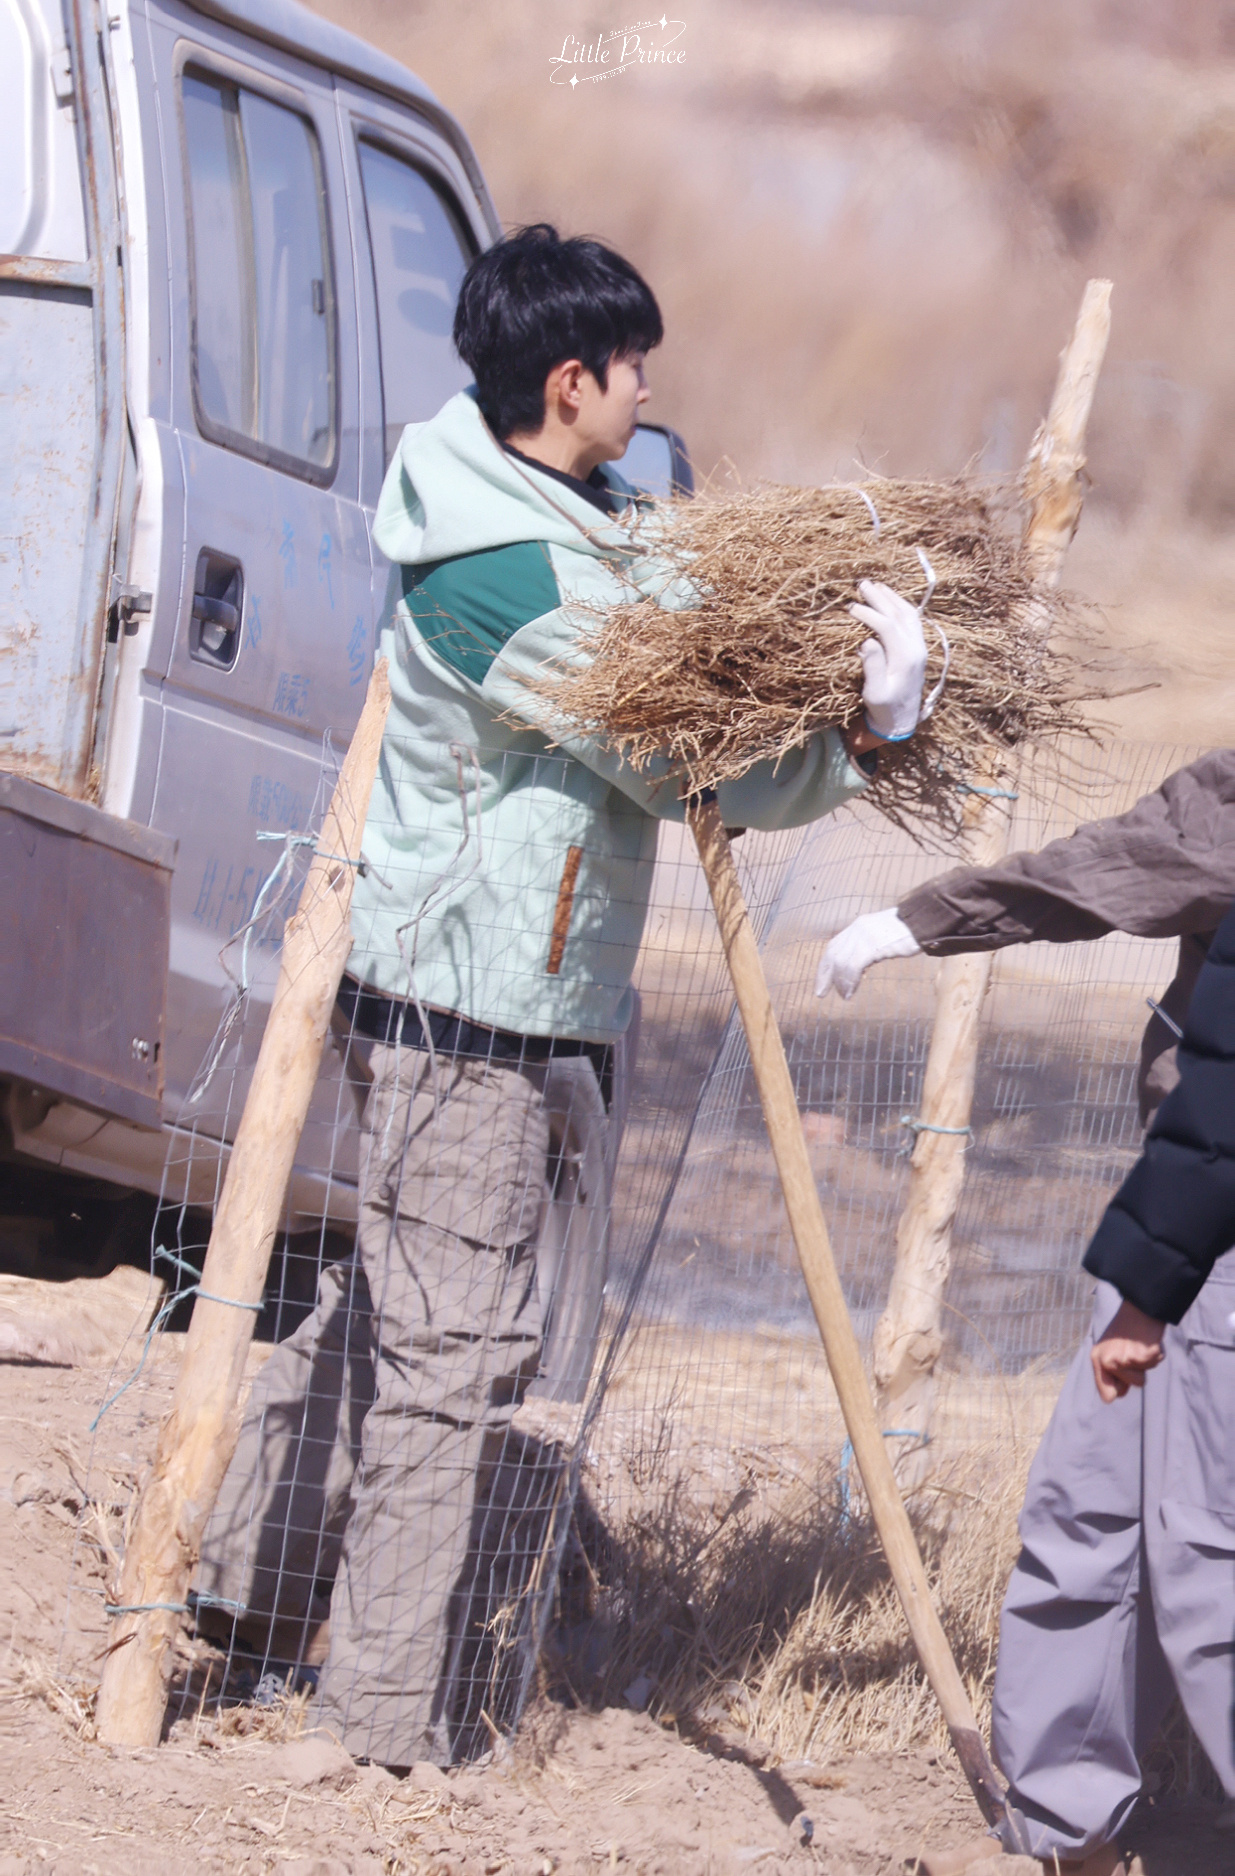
421, 251
263, 287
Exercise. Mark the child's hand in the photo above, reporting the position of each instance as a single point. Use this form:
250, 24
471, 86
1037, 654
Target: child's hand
1131, 1345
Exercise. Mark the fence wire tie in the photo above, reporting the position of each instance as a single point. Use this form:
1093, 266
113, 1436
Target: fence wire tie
175, 1608
310, 840
1170, 1022
232, 1015
164, 1316
195, 1289
171, 1257
140, 1608
928, 1126
846, 1454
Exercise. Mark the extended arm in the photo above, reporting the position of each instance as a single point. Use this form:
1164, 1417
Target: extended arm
1163, 869
1166, 868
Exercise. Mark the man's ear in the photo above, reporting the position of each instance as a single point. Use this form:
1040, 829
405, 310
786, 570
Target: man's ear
564, 385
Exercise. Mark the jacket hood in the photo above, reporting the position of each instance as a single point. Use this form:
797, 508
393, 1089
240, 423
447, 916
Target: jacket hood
452, 489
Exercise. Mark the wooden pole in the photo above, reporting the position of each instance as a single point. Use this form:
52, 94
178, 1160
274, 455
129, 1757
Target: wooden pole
810, 1234
198, 1436
908, 1336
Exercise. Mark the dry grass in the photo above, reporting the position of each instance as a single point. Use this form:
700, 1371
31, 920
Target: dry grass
768, 655
779, 1619
778, 1626
25, 1679
714, 1564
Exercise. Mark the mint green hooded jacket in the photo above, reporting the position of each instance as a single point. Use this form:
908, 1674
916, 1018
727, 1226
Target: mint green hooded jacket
510, 859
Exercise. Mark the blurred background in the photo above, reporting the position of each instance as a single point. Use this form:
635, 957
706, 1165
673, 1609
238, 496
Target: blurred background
869, 228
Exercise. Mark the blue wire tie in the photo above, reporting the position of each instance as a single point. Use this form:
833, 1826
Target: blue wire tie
992, 794
846, 1454
164, 1314
928, 1126
1170, 1022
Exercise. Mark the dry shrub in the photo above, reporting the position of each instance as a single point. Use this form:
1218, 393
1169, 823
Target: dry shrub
216, 1699
779, 1626
770, 653
25, 1679
281, 1718
782, 1621
844, 1676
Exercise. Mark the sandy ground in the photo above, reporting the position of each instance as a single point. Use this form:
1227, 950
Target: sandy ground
580, 1791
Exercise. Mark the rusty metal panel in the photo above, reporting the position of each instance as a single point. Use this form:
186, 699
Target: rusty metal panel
85, 917
61, 404
47, 449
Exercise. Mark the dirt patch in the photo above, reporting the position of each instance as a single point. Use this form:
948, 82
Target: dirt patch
597, 1791
247, 1790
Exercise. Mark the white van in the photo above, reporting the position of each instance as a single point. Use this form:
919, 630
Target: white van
232, 237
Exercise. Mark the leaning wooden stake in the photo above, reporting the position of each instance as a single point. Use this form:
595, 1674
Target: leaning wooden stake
199, 1434
908, 1336
810, 1234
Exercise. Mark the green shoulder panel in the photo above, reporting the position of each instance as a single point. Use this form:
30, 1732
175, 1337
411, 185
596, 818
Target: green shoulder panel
467, 607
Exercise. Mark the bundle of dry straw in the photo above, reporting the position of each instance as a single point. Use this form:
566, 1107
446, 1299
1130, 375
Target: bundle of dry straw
770, 654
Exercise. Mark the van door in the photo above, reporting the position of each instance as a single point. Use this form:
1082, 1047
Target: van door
272, 643
61, 385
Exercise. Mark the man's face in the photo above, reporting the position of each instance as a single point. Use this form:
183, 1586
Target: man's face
607, 418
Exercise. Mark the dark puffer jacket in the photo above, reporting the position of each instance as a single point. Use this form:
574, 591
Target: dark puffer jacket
1174, 1214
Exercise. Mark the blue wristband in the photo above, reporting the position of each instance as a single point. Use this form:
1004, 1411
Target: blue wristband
883, 735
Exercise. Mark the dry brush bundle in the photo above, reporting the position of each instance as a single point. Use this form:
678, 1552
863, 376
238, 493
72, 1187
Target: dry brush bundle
769, 655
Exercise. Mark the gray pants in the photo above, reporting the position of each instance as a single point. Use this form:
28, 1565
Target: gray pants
375, 1440
1125, 1588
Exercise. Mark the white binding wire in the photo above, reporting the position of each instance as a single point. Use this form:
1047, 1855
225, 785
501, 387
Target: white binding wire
929, 703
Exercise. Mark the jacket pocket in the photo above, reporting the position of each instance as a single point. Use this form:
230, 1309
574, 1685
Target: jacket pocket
1201, 1423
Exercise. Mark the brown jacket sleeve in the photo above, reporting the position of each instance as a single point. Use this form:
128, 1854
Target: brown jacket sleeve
1165, 869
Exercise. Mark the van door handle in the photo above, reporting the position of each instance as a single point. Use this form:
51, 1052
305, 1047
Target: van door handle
217, 610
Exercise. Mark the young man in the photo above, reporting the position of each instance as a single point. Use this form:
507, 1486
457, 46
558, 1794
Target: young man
496, 928
1123, 1590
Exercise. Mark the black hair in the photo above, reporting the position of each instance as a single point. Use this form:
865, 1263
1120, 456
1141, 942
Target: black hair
532, 301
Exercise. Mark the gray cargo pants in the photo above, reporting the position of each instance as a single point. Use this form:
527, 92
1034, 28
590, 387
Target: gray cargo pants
372, 1432
1125, 1588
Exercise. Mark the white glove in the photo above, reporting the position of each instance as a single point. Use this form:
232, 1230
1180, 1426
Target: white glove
868, 940
894, 661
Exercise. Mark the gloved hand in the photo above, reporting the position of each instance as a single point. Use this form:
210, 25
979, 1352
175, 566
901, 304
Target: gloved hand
868, 940
894, 661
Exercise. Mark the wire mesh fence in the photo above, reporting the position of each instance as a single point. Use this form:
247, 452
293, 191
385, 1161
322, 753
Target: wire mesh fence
571, 1350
